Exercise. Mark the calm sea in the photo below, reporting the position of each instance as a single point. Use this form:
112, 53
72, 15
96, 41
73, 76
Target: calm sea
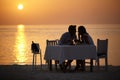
15, 40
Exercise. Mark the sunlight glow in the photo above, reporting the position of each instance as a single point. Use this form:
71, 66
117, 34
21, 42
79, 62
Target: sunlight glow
20, 45
20, 6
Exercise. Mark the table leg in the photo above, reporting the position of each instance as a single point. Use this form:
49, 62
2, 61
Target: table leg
50, 65
91, 65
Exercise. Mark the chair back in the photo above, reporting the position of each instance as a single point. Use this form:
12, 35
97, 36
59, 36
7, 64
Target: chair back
35, 48
52, 42
102, 46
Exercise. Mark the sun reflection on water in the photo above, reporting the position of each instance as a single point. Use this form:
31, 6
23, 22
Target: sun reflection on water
20, 45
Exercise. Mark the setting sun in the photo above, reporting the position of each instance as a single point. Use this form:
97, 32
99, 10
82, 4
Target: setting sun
20, 6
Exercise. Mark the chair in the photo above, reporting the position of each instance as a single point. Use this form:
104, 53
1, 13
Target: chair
102, 52
36, 50
52, 43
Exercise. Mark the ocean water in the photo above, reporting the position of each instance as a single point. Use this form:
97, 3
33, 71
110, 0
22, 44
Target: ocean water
15, 41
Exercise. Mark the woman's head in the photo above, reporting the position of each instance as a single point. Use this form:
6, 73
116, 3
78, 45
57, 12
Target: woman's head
81, 30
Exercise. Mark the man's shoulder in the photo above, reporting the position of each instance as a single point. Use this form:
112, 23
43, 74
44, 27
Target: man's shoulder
66, 33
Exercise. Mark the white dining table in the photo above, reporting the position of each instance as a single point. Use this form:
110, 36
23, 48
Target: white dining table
70, 52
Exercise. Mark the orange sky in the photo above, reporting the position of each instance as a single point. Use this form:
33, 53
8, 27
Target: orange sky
60, 12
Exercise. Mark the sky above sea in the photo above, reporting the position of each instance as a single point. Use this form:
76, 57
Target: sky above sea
59, 12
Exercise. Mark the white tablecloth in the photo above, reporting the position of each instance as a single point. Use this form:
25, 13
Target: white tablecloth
70, 52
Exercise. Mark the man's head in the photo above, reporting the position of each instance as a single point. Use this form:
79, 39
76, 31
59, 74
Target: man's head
72, 29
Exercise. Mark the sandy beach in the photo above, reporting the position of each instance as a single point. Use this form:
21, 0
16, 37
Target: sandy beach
25, 72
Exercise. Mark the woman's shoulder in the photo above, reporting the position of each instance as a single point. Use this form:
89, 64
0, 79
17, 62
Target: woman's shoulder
86, 34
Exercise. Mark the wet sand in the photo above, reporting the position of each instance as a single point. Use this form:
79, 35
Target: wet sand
25, 72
